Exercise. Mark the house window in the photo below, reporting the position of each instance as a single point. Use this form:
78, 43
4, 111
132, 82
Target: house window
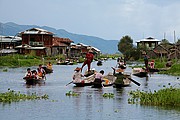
32, 39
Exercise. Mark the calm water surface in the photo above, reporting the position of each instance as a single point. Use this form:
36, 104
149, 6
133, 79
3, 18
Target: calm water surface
90, 105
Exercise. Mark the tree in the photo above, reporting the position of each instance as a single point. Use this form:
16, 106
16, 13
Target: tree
164, 41
125, 46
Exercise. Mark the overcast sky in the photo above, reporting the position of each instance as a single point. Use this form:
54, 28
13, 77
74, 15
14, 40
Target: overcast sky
107, 19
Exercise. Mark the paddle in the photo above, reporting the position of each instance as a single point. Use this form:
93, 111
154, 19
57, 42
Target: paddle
69, 83
134, 81
45, 77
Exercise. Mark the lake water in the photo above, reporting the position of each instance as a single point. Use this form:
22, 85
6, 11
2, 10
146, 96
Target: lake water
89, 105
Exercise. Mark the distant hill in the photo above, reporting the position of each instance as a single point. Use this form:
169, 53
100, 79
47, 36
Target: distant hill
106, 46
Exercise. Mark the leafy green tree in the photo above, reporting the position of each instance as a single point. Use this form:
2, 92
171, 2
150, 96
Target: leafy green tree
125, 46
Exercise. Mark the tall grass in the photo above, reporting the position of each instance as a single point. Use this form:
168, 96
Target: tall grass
164, 97
174, 70
19, 60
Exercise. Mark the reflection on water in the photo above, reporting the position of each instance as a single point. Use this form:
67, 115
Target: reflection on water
89, 105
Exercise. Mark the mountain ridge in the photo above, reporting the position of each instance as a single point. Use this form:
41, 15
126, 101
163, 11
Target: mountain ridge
106, 46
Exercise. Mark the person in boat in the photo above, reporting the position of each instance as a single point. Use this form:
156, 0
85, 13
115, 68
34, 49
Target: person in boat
88, 60
118, 73
42, 70
99, 77
35, 74
151, 64
146, 61
28, 74
77, 77
121, 64
40, 74
49, 66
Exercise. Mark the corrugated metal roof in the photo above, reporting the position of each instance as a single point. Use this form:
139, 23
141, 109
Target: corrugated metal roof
36, 31
83, 44
96, 49
8, 51
36, 48
29, 47
9, 38
65, 40
23, 46
148, 40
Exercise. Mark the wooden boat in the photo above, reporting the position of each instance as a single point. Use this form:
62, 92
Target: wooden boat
153, 70
99, 63
126, 81
47, 70
140, 72
86, 81
86, 74
108, 80
65, 62
32, 81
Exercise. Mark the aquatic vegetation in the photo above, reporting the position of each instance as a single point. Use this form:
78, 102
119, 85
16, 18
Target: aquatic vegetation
72, 93
174, 70
5, 70
108, 95
164, 97
12, 96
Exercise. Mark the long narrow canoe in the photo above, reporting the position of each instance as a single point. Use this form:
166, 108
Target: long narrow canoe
87, 81
32, 81
141, 74
126, 81
47, 70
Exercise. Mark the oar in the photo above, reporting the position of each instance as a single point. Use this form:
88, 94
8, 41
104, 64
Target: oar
134, 81
69, 83
45, 77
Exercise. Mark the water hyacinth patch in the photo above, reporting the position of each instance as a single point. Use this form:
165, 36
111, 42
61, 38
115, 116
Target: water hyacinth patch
108, 95
72, 93
12, 96
164, 97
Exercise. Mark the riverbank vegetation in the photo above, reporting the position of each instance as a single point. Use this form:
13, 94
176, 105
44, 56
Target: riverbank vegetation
17, 60
12, 96
164, 97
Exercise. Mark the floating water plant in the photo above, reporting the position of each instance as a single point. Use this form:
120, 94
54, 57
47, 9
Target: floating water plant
12, 96
164, 97
108, 95
5, 70
72, 93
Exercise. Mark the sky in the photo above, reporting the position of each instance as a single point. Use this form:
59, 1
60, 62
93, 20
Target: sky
107, 19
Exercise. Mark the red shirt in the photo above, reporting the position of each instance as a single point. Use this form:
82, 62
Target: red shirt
89, 56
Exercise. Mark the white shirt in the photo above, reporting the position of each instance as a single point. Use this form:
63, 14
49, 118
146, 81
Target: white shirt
77, 77
99, 76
